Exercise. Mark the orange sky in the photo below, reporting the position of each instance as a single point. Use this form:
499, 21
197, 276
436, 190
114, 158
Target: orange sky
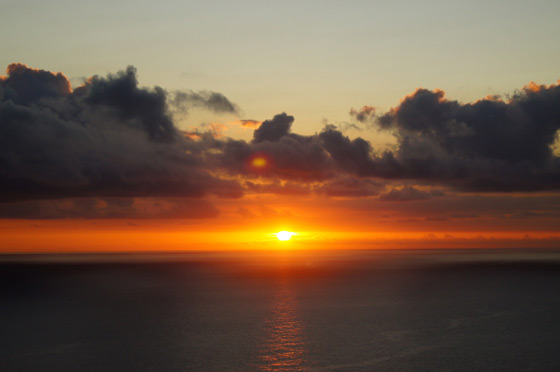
249, 223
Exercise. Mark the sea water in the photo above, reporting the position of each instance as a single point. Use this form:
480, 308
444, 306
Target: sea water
416, 310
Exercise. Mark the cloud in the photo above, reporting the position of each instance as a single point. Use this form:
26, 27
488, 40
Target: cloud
407, 193
107, 138
113, 139
486, 145
26, 85
353, 156
367, 114
289, 156
213, 101
273, 130
489, 145
121, 97
351, 126
346, 186
247, 123
279, 188
108, 208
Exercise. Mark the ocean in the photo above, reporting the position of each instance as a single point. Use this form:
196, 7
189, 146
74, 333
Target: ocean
376, 310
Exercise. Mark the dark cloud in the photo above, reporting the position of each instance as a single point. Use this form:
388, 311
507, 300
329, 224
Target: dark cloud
367, 114
343, 186
346, 186
105, 208
407, 193
273, 130
213, 101
112, 139
351, 155
108, 137
437, 219
130, 104
25, 85
290, 156
487, 145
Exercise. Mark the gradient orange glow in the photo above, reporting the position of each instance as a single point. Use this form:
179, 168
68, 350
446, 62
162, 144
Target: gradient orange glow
248, 223
318, 226
259, 162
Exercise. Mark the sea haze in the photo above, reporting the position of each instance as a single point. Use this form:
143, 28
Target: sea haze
415, 310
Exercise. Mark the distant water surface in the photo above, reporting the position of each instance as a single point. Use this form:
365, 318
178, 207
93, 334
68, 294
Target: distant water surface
418, 310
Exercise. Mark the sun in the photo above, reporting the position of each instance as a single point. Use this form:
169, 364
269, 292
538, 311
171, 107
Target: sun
284, 235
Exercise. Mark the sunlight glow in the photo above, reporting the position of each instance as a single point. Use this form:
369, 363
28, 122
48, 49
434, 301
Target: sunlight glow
259, 162
284, 235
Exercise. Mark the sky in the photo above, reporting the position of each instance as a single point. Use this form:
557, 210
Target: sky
213, 125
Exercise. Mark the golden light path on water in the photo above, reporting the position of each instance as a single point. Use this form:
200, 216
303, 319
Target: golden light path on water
284, 348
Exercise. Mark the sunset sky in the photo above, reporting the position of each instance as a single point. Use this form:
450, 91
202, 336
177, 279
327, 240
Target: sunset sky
215, 124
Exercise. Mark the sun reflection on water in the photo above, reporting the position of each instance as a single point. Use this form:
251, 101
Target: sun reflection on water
284, 348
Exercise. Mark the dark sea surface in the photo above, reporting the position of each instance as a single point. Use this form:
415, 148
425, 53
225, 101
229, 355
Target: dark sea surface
444, 310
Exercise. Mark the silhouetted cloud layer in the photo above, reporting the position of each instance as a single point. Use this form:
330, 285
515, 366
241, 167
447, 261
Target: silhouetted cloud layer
487, 145
110, 138
102, 208
408, 193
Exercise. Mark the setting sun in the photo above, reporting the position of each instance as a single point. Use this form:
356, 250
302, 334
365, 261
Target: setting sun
284, 235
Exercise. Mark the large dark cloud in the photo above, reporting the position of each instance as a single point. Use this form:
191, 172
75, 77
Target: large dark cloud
490, 145
521, 130
487, 145
109, 137
128, 103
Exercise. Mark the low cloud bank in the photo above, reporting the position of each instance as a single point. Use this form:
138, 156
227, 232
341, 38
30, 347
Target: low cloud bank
111, 138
